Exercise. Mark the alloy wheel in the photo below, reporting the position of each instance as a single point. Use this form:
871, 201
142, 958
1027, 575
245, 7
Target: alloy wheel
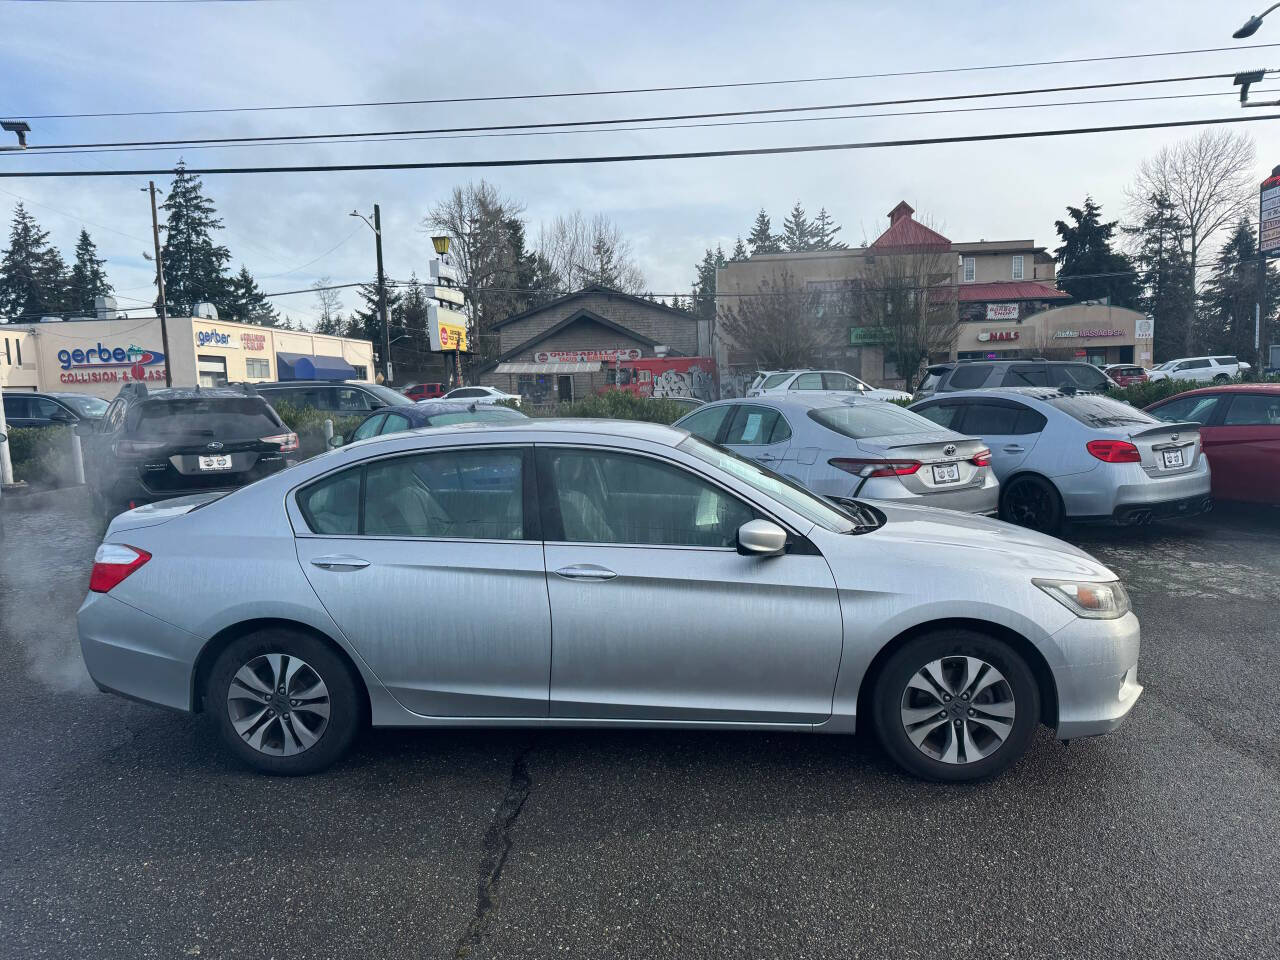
278, 704
1029, 505
958, 709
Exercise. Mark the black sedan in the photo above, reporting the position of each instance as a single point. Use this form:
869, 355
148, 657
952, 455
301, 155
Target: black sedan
431, 413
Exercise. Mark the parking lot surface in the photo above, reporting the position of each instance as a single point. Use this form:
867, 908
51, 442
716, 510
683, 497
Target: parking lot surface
125, 831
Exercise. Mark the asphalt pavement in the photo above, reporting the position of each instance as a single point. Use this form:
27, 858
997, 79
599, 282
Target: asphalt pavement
125, 831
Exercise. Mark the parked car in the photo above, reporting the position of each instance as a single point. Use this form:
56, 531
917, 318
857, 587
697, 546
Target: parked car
833, 382
481, 395
691, 403
152, 445
440, 414
52, 409
424, 391
422, 579
1200, 369
857, 448
1240, 433
1126, 374
1061, 455
340, 397
983, 374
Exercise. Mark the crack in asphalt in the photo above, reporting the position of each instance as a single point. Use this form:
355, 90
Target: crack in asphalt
497, 847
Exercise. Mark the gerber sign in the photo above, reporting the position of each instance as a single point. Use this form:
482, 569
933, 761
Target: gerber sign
103, 364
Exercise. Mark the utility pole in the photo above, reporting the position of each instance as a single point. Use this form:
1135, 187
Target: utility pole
382, 298
163, 307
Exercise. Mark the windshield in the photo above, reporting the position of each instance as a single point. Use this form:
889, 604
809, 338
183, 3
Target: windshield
223, 418
785, 491
1100, 411
486, 414
1166, 365
872, 420
93, 407
388, 396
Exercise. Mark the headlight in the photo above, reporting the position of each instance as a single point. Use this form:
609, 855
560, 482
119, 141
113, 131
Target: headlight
1094, 601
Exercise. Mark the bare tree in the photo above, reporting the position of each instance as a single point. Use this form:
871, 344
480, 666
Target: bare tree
329, 303
781, 326
583, 252
909, 297
1207, 179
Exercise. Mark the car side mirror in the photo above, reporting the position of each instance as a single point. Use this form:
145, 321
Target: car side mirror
83, 428
761, 538
336, 440
63, 417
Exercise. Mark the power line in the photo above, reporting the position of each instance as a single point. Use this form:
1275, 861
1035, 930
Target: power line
633, 90
638, 157
812, 108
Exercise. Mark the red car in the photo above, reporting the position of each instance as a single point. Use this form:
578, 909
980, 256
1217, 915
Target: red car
1239, 433
1126, 374
424, 391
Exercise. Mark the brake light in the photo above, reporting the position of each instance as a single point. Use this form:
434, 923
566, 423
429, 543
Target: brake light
138, 448
875, 468
113, 563
288, 441
1114, 451
981, 459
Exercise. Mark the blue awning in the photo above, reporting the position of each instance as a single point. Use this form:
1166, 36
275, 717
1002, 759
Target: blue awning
301, 366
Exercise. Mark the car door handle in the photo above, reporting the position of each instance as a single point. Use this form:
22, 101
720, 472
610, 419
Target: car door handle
1012, 448
339, 563
768, 458
585, 571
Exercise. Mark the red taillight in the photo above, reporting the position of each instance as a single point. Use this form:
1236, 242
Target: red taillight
981, 459
288, 441
113, 563
875, 468
1114, 451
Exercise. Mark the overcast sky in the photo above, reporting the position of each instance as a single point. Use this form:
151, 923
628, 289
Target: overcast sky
290, 229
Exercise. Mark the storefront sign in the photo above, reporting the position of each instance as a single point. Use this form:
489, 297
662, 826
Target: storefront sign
1090, 334
253, 341
586, 356
212, 338
1002, 311
102, 364
1145, 329
990, 336
446, 329
1269, 217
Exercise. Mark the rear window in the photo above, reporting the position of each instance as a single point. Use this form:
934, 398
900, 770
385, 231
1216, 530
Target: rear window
969, 376
1100, 411
1080, 375
1225, 361
1026, 375
867, 420
226, 418
930, 382
479, 415
774, 380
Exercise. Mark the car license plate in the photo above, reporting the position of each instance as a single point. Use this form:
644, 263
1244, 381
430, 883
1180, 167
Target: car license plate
222, 462
946, 473
1173, 458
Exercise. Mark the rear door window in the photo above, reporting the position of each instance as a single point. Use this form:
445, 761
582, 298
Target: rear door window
969, 376
943, 414
985, 418
774, 380
756, 426
808, 381
838, 381
16, 407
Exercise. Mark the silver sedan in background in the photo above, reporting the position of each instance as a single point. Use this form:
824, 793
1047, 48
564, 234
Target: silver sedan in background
423, 579
854, 448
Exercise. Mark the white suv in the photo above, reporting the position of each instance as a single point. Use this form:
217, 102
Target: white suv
1215, 369
832, 382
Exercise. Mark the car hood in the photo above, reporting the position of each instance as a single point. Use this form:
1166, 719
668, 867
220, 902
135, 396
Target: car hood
150, 514
980, 543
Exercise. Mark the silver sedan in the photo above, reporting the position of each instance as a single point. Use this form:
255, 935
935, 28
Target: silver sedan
423, 579
854, 448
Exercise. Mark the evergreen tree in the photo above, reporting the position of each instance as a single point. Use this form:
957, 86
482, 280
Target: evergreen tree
1086, 253
797, 231
195, 268
1164, 275
33, 275
364, 323
88, 280
704, 287
245, 303
739, 252
1227, 313
762, 239
824, 232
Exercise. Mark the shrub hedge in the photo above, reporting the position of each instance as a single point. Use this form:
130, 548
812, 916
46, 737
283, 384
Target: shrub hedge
613, 405
41, 455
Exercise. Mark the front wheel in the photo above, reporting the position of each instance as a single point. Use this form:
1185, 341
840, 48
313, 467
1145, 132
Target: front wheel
956, 705
284, 702
1031, 502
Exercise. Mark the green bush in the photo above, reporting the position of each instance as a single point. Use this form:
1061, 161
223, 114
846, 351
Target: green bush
41, 455
614, 405
1144, 394
308, 424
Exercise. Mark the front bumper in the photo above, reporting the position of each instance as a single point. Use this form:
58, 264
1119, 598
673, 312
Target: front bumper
1098, 678
136, 655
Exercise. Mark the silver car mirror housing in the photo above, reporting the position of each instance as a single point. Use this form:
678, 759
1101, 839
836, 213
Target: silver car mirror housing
761, 538
336, 440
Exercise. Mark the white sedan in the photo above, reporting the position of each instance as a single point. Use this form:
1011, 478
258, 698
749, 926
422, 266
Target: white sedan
477, 395
836, 383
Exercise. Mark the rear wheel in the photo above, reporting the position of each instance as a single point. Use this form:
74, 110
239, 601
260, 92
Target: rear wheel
1032, 502
284, 702
1221, 378
956, 705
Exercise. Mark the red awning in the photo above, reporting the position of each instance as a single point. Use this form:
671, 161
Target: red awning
1009, 290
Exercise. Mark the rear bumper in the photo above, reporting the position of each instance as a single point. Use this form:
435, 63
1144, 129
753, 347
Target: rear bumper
984, 499
1098, 685
1131, 514
133, 654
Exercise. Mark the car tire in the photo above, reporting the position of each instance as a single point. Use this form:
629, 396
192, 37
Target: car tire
278, 732
1032, 502
1222, 378
987, 743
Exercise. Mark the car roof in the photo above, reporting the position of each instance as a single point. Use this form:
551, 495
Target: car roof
422, 413
1224, 388
1012, 393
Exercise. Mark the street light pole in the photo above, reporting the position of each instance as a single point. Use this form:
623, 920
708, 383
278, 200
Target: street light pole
162, 307
376, 227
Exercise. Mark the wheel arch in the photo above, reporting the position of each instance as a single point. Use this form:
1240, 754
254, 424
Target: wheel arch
1022, 473
222, 639
1035, 660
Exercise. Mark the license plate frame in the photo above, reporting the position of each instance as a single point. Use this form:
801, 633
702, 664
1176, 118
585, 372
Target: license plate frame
1173, 459
217, 462
946, 473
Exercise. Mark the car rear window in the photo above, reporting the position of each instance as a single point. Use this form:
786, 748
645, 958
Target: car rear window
968, 376
487, 414
1026, 375
226, 418
773, 380
867, 420
1100, 411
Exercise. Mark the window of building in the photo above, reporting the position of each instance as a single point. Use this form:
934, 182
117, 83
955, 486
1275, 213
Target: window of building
1017, 267
890, 370
970, 269
212, 371
7, 355
18, 347
257, 368
362, 372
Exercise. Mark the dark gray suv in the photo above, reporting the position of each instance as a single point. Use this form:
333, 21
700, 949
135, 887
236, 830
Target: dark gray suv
977, 374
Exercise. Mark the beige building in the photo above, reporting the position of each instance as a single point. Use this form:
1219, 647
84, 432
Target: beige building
99, 356
1096, 333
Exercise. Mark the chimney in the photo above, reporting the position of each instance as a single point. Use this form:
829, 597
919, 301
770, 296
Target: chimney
901, 211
